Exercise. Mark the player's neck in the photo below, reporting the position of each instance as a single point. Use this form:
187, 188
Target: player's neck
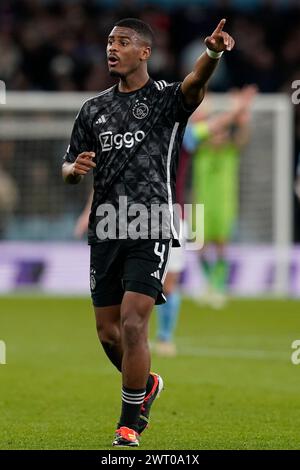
133, 82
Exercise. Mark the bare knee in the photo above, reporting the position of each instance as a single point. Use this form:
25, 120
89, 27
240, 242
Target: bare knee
108, 324
108, 333
134, 325
135, 313
133, 331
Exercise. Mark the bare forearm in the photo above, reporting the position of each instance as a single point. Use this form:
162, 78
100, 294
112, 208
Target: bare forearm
194, 85
68, 174
203, 70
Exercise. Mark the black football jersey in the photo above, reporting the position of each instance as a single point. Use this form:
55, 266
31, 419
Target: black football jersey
136, 137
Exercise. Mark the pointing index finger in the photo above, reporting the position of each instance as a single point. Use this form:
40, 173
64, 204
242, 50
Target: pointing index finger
220, 26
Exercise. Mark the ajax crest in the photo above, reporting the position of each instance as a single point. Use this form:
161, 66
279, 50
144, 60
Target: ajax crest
140, 110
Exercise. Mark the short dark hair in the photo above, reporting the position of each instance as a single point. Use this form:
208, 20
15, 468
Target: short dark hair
142, 28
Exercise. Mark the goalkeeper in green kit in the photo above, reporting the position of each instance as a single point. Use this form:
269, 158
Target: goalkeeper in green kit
218, 142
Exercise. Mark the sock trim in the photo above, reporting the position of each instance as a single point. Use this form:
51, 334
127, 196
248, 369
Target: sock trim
133, 398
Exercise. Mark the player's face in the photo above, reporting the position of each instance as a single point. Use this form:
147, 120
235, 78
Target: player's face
126, 51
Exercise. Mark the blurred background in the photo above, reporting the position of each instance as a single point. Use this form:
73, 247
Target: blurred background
52, 58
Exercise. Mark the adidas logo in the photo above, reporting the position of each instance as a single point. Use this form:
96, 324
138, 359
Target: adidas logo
101, 119
155, 274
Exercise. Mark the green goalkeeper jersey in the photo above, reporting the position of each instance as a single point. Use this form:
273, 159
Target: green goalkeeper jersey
215, 184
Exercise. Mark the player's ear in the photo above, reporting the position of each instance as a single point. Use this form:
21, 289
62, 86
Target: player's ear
145, 53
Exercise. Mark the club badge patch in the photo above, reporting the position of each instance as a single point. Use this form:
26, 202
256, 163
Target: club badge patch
140, 110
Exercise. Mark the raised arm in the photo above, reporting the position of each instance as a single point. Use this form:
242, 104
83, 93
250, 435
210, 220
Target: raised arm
194, 85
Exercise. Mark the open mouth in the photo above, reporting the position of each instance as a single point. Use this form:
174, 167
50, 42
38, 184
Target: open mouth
112, 61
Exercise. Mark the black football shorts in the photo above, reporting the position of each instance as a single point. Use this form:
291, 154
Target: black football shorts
128, 265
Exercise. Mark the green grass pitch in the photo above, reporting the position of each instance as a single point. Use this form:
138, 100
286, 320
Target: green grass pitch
232, 386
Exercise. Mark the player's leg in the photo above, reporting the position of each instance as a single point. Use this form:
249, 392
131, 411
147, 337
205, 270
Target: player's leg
109, 332
107, 293
224, 218
220, 273
167, 315
144, 270
206, 260
108, 327
135, 314
211, 258
226, 213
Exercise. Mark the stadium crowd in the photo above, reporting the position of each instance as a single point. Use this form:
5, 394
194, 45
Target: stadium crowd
60, 45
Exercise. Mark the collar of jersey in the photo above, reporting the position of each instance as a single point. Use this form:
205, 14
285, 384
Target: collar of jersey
128, 93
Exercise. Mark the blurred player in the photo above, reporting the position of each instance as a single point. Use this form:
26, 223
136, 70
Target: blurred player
167, 313
130, 135
219, 141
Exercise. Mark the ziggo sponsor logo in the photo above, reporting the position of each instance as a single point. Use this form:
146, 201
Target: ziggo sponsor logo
109, 140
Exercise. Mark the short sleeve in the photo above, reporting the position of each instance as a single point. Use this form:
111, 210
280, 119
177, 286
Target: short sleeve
81, 138
180, 111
